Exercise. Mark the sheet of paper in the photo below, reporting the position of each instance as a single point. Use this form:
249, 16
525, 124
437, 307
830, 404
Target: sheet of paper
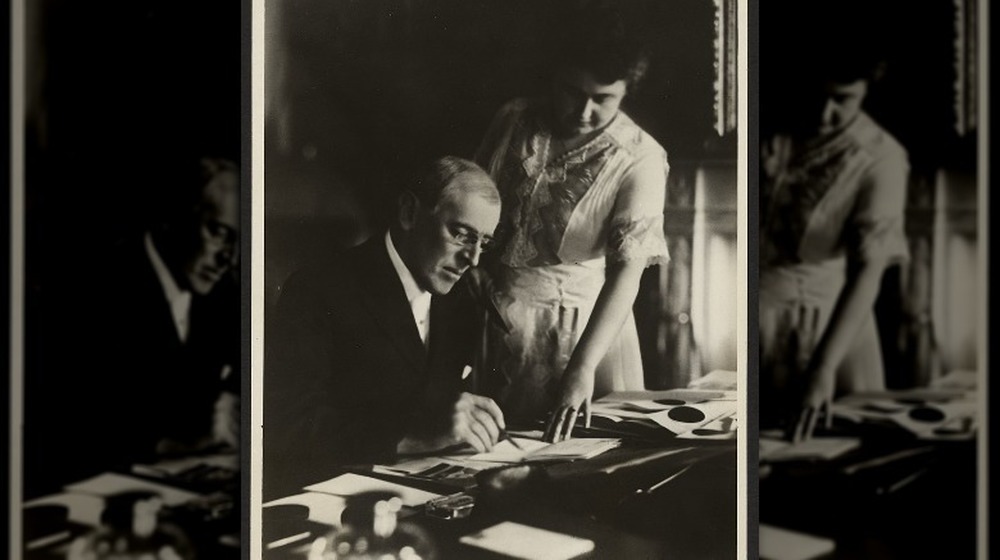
351, 484
961, 380
81, 508
723, 427
323, 508
617, 411
506, 452
528, 543
821, 448
684, 418
109, 484
782, 544
576, 448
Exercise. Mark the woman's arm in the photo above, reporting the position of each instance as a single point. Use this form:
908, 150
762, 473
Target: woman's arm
853, 306
610, 311
875, 239
634, 242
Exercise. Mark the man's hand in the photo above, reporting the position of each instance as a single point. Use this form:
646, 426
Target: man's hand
474, 420
226, 421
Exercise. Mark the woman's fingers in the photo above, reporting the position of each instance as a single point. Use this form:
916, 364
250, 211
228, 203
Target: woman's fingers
550, 429
811, 425
802, 430
568, 422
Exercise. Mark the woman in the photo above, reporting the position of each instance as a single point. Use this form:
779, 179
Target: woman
583, 191
833, 191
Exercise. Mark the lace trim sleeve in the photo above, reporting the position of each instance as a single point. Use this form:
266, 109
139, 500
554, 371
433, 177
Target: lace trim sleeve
638, 239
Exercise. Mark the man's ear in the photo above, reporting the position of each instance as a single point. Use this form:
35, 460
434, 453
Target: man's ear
409, 207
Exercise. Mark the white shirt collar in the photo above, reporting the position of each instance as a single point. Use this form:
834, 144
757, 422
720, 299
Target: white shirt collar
419, 299
179, 300
410, 286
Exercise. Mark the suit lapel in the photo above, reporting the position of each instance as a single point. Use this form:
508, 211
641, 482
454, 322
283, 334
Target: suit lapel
151, 290
384, 296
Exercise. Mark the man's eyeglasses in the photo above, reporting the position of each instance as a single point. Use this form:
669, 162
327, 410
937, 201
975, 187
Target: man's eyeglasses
468, 238
218, 236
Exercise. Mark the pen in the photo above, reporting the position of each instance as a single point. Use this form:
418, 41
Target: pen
505, 436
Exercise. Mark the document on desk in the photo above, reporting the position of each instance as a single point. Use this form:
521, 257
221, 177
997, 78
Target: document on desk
816, 448
679, 411
80, 508
782, 544
927, 414
351, 484
528, 543
533, 450
323, 508
109, 484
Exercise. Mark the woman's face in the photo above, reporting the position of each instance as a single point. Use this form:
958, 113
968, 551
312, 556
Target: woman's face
841, 105
581, 104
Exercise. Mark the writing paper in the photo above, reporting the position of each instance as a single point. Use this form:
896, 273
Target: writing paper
528, 543
351, 484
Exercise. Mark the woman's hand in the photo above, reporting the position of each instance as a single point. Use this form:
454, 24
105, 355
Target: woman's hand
817, 401
574, 398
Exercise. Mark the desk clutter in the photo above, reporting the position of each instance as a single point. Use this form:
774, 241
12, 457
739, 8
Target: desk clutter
675, 413
117, 515
358, 516
447, 488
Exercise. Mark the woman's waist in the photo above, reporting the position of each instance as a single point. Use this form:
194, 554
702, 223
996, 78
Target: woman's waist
575, 284
816, 283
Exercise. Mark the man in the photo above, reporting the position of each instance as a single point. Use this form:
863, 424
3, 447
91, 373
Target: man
366, 352
149, 360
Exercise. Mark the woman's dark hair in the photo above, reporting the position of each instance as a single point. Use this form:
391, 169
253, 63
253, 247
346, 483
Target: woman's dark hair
840, 41
599, 36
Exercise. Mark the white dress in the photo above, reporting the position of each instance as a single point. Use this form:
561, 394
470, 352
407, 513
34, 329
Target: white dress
825, 206
561, 222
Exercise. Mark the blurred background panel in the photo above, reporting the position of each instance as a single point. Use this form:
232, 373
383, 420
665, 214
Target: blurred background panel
120, 98
357, 90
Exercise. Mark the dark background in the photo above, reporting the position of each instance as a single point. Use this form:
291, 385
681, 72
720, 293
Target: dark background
121, 99
357, 91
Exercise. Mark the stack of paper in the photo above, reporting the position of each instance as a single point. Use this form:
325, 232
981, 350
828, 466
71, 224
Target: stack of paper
930, 414
691, 413
817, 448
534, 450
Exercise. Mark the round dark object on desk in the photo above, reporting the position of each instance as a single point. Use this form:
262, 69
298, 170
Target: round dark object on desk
670, 402
687, 414
360, 510
509, 486
927, 414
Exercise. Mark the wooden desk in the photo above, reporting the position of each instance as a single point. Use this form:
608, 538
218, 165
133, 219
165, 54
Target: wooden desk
921, 506
692, 516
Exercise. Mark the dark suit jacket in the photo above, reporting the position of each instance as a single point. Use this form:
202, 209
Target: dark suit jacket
346, 373
117, 378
